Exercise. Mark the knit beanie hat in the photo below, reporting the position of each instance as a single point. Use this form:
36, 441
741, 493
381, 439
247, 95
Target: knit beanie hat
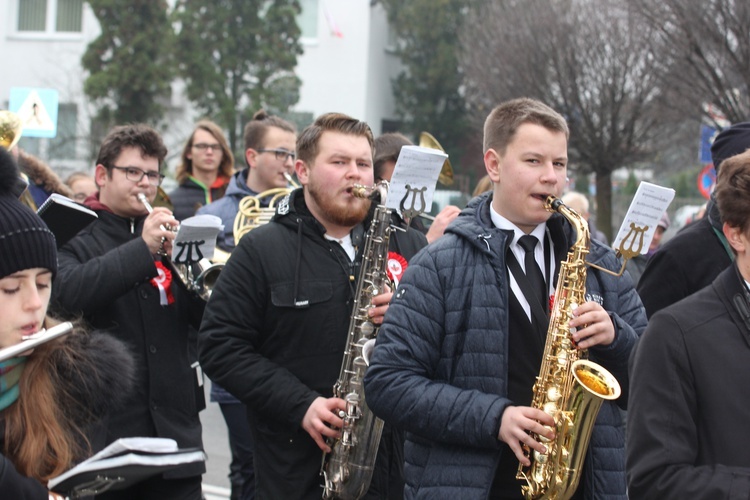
25, 240
730, 142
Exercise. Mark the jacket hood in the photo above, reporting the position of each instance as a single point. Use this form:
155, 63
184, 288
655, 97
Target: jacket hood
237, 185
42, 174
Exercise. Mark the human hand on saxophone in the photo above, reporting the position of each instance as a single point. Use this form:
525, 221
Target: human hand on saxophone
322, 419
380, 303
516, 424
598, 329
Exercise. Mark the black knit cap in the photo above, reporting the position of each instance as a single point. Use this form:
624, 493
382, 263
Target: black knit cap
730, 142
25, 240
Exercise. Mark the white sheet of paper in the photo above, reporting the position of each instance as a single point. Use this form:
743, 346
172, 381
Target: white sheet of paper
648, 205
418, 168
196, 239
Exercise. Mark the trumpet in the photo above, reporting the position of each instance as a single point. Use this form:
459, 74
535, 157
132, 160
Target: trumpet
200, 277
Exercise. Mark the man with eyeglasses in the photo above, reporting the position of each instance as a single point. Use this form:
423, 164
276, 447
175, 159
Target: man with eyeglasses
112, 275
269, 153
205, 168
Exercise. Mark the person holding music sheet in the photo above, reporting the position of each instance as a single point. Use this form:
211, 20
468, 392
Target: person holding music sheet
113, 274
688, 380
387, 148
697, 254
461, 346
51, 395
275, 329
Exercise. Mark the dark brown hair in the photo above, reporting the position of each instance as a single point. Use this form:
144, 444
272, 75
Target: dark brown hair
307, 142
503, 121
226, 167
733, 191
387, 148
137, 135
257, 129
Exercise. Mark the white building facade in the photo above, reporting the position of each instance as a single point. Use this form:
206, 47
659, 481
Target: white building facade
346, 66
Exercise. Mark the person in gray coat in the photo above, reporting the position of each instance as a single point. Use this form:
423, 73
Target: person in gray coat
461, 344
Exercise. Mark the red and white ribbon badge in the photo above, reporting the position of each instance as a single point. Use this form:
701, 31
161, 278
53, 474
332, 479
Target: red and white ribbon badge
164, 283
396, 267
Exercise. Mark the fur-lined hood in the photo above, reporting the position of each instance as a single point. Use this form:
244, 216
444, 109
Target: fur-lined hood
42, 174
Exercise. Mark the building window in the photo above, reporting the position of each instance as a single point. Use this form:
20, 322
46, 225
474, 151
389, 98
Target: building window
63, 145
308, 19
50, 16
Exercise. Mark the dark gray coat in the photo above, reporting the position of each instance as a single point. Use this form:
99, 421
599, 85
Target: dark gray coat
439, 369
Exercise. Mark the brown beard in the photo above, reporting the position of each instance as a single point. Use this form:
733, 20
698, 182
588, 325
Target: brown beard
350, 215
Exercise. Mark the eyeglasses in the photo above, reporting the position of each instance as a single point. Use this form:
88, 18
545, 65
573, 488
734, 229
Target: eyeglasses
135, 174
281, 154
202, 146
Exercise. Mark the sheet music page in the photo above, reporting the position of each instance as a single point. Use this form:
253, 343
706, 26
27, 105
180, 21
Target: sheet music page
648, 205
196, 239
418, 168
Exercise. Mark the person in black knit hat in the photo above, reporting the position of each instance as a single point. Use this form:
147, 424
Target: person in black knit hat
695, 256
66, 384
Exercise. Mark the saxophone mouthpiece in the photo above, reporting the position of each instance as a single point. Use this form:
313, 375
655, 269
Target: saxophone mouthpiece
552, 204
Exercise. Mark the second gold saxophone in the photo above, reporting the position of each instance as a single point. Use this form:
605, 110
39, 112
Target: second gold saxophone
569, 387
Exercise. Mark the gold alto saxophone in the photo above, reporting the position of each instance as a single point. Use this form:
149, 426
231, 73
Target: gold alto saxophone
569, 387
347, 469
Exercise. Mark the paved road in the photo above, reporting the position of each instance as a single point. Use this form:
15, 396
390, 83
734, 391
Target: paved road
216, 445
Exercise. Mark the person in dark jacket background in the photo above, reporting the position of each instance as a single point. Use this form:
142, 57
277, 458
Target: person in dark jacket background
461, 344
275, 329
206, 165
696, 255
112, 274
689, 392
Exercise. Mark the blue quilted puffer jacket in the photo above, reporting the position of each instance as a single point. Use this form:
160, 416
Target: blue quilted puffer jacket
439, 369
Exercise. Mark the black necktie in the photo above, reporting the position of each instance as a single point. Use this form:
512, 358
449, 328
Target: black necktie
533, 273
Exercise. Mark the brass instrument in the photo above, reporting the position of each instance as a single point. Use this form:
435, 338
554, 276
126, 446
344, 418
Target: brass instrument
10, 129
252, 214
199, 278
569, 387
347, 469
426, 140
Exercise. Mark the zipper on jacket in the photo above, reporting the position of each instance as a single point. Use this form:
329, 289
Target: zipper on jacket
132, 225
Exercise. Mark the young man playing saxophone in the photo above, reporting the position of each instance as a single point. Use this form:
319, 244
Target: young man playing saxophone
276, 326
461, 346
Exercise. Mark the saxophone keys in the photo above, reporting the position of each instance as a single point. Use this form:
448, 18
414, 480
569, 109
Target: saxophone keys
553, 394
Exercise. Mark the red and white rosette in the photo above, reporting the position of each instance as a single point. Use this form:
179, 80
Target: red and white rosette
396, 267
163, 282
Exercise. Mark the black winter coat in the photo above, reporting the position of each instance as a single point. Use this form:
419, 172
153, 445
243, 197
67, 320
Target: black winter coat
274, 334
691, 260
189, 196
689, 393
104, 275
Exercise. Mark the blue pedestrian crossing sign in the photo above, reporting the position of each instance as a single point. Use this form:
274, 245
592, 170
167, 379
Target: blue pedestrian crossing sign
37, 109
